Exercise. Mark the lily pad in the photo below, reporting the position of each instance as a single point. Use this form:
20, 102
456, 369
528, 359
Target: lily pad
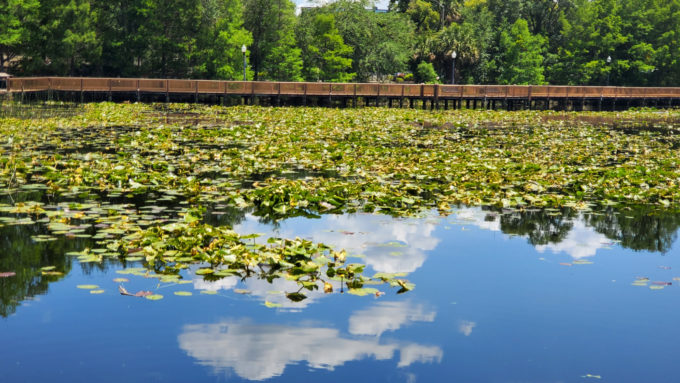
88, 287
363, 291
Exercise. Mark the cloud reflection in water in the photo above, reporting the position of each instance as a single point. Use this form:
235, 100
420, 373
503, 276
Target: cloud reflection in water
387, 316
262, 351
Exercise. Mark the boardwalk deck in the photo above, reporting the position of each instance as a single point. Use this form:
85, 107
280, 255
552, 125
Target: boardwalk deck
488, 96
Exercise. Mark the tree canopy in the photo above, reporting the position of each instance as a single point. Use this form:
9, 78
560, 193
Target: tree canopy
496, 41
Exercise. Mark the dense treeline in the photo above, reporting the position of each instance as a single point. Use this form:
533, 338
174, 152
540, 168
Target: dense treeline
496, 41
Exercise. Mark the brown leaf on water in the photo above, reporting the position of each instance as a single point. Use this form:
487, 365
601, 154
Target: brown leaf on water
123, 291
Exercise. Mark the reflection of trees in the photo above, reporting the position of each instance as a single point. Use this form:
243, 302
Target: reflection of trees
540, 226
637, 228
20, 254
224, 215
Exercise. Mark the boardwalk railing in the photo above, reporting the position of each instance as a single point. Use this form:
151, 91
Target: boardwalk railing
89, 84
508, 94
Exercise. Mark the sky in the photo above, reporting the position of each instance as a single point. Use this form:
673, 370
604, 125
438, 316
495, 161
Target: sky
381, 4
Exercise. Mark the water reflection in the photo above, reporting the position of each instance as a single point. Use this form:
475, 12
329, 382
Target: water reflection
261, 351
580, 242
637, 229
580, 234
385, 244
465, 327
390, 245
388, 316
20, 254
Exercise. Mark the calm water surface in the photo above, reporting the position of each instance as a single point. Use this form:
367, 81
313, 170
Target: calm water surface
501, 296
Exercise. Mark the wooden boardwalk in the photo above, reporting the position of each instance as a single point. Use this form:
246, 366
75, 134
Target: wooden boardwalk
304, 93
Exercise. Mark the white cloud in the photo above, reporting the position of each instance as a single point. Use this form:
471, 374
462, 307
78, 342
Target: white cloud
389, 245
387, 316
226, 283
478, 217
465, 327
258, 352
413, 353
581, 242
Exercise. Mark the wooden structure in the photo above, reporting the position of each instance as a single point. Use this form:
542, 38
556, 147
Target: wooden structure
302, 93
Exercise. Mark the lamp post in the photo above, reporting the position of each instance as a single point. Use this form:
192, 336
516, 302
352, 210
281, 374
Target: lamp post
453, 67
609, 61
243, 50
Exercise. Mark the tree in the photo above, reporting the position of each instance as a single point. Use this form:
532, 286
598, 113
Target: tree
220, 39
65, 43
17, 19
425, 73
521, 56
327, 57
382, 43
273, 51
423, 15
170, 30
591, 34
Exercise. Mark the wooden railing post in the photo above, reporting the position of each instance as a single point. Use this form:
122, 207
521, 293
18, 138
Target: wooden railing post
530, 91
304, 97
401, 99
50, 92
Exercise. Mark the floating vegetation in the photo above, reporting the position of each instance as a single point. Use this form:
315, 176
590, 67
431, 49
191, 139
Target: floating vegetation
88, 287
161, 191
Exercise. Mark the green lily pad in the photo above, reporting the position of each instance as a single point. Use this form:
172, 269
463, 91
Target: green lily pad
363, 291
88, 287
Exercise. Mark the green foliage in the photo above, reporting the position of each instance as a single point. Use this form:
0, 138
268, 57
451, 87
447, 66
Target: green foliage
65, 41
521, 60
382, 42
563, 42
424, 17
17, 18
326, 57
274, 55
220, 40
425, 73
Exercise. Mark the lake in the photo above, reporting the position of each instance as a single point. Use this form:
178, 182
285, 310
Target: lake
488, 306
424, 292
